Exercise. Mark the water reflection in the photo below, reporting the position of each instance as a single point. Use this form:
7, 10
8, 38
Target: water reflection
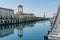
6, 30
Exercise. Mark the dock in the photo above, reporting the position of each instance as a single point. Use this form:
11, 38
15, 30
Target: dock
19, 20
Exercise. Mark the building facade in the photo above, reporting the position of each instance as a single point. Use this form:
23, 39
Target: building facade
23, 15
7, 16
6, 11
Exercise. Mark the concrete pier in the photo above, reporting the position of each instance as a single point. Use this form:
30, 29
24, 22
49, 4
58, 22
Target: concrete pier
7, 21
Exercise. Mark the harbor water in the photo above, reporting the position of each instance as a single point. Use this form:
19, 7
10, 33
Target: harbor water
25, 31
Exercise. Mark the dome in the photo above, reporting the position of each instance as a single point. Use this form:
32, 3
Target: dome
20, 6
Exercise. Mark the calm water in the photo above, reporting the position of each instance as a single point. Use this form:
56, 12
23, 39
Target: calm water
25, 31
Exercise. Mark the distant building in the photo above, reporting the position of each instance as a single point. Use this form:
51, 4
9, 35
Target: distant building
23, 15
7, 16
20, 9
6, 11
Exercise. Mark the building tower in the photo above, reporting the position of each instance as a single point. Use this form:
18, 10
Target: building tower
20, 9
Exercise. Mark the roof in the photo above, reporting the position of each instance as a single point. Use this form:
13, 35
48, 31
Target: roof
6, 8
20, 5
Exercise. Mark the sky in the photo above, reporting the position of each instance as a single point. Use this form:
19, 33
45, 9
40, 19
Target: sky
37, 7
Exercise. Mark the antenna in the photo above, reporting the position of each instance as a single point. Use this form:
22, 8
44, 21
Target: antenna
44, 15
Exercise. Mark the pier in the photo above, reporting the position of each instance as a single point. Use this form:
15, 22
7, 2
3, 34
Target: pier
19, 20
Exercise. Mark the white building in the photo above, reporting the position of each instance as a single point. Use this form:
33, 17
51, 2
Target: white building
6, 11
23, 15
8, 16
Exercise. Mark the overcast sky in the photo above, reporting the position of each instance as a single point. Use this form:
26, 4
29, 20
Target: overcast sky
37, 7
